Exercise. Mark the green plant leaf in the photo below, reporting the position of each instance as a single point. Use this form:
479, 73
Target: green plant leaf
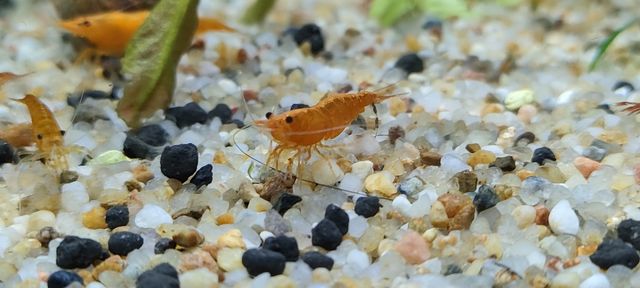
152, 56
258, 11
387, 12
604, 45
444, 8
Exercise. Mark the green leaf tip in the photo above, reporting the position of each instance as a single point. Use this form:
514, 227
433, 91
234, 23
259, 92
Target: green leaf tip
604, 45
258, 11
152, 57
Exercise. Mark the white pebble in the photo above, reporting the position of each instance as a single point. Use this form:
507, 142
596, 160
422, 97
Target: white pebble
596, 281
351, 182
228, 86
152, 216
357, 226
357, 261
563, 220
73, 196
95, 285
362, 168
452, 163
402, 205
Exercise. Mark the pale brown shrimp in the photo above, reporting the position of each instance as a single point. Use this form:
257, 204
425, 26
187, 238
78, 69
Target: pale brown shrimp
303, 129
631, 107
46, 132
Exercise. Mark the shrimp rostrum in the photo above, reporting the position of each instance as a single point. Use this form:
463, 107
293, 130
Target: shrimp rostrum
303, 129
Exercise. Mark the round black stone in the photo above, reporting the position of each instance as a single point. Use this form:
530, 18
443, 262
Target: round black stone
614, 252
62, 279
258, 261
506, 163
310, 33
367, 206
153, 135
338, 216
432, 24
623, 84
541, 154
76, 98
317, 260
285, 202
121, 243
7, 153
287, 246
629, 231
299, 106
117, 216
410, 63
136, 148
163, 244
485, 198
75, 252
161, 276
221, 111
187, 115
203, 176
326, 235
179, 161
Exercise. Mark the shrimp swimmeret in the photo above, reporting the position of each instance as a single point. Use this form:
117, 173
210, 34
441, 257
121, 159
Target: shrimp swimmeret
303, 129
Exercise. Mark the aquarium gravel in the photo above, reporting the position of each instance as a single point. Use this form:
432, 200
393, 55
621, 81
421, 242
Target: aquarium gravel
501, 161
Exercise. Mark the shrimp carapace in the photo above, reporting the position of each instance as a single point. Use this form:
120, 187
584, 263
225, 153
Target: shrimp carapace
303, 129
110, 32
46, 133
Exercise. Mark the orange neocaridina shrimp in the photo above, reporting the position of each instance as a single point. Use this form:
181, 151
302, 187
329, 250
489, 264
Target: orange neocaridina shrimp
303, 129
46, 133
631, 107
111, 31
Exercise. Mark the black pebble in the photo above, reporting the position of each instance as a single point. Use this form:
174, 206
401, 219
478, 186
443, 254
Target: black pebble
541, 154
121, 243
432, 24
326, 235
317, 260
629, 231
485, 198
623, 84
62, 279
299, 106
5, 5
310, 33
614, 252
179, 161
187, 115
117, 216
506, 163
367, 206
163, 244
136, 148
203, 176
287, 246
410, 63
338, 216
221, 111
258, 261
238, 123
76, 98
75, 252
452, 269
285, 202
153, 135
524, 139
7, 153
605, 108
161, 276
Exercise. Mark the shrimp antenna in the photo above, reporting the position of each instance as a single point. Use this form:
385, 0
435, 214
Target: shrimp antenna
233, 137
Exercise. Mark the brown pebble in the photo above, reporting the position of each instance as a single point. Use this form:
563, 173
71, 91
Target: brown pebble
132, 185
188, 238
86, 276
459, 210
586, 250
95, 218
395, 133
195, 212
211, 248
198, 259
413, 248
142, 173
174, 184
113, 263
524, 139
473, 147
430, 158
504, 192
481, 157
226, 218
68, 176
586, 166
46, 234
467, 181
542, 215
277, 184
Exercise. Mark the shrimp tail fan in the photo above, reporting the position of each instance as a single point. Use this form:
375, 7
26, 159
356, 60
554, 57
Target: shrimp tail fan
630, 107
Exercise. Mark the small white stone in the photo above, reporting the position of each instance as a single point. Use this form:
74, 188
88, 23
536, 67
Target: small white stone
73, 196
228, 86
516, 99
362, 168
326, 172
351, 182
402, 205
95, 285
563, 220
152, 216
524, 215
200, 277
357, 261
357, 226
452, 163
596, 281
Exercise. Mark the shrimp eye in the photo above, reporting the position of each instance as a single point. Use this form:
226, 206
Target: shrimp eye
268, 115
39, 136
289, 119
62, 132
85, 23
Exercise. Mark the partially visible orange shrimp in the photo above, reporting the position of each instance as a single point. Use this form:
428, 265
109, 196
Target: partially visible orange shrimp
8, 76
46, 133
18, 135
631, 107
111, 31
303, 129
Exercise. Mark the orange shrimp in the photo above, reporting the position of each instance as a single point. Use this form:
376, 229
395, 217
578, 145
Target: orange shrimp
303, 129
110, 32
46, 133
631, 107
